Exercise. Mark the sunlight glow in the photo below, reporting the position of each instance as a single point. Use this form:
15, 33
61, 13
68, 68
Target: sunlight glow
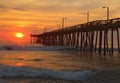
19, 35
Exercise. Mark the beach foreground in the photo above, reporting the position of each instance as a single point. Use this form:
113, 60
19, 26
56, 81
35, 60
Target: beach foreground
49, 80
101, 77
58, 67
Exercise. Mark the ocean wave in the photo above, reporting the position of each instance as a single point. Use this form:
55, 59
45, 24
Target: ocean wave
10, 71
41, 48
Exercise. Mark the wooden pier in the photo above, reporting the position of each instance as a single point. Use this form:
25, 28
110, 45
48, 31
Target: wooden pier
100, 36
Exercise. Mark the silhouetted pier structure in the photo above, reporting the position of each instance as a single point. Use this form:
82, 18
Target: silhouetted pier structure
96, 36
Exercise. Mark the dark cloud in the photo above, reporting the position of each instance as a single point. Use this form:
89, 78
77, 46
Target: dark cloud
19, 8
2, 7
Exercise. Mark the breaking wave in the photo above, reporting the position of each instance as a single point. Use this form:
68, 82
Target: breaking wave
10, 71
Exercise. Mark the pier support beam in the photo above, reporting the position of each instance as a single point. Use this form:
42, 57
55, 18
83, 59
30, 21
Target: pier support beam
112, 41
118, 41
100, 41
105, 39
96, 40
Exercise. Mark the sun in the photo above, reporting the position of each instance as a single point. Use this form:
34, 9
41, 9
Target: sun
19, 35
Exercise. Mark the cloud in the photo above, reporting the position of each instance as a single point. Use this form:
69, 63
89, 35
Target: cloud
5, 8
88, 5
2, 7
23, 19
51, 9
65, 5
53, 6
19, 8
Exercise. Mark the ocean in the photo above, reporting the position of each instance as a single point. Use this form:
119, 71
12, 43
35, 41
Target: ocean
53, 61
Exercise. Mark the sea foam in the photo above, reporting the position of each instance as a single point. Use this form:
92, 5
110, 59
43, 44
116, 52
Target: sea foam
10, 71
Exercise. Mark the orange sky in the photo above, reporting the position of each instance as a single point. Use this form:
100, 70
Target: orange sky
31, 16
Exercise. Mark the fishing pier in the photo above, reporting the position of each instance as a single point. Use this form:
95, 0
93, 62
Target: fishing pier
100, 36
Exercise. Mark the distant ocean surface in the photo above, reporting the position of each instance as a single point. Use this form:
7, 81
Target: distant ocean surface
53, 61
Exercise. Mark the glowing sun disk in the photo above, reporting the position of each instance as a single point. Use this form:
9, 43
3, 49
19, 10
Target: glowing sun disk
19, 35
